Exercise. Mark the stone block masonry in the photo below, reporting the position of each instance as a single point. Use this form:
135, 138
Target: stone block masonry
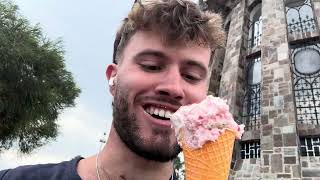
279, 132
279, 139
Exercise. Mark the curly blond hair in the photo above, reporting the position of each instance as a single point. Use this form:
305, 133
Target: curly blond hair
178, 22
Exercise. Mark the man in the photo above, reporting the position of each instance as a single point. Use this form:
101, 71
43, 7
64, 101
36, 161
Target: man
161, 61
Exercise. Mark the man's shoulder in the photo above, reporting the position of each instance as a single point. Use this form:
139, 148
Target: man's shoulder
59, 171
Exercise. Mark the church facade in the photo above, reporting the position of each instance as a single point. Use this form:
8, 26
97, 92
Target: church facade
269, 73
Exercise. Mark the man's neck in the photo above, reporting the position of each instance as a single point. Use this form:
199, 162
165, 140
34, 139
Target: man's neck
118, 161
117, 157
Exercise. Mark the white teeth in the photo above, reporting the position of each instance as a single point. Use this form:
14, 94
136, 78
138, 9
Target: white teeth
156, 111
167, 114
151, 110
161, 113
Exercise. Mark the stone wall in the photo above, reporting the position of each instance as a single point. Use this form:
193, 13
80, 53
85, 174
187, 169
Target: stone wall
222, 6
217, 65
310, 169
246, 169
230, 84
279, 140
279, 132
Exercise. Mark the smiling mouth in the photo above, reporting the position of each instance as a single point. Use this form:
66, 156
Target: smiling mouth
158, 112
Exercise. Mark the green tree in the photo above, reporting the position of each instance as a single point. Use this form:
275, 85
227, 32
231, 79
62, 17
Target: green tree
34, 84
178, 165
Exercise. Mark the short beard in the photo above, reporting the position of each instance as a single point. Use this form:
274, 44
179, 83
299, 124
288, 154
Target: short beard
125, 124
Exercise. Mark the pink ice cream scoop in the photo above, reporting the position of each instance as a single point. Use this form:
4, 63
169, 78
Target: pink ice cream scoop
196, 124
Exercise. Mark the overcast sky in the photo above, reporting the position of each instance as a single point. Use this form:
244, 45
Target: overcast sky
87, 29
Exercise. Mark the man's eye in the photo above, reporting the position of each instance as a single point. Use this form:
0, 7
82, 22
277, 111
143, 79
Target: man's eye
191, 78
151, 67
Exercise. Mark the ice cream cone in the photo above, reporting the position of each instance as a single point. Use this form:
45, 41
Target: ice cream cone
212, 161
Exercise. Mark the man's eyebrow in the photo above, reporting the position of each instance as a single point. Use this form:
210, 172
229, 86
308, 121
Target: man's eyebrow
151, 52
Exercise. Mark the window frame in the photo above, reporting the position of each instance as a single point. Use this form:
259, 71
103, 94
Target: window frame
301, 25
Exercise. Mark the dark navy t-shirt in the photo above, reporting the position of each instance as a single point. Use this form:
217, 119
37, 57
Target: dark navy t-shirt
66, 170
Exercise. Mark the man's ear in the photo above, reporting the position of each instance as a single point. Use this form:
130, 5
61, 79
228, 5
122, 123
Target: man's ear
111, 74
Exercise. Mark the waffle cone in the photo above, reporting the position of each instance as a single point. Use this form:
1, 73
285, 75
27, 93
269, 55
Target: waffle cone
212, 161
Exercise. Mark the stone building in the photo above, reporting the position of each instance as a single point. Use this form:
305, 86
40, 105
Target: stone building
270, 74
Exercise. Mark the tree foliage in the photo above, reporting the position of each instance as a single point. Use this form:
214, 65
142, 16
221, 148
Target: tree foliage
34, 84
179, 167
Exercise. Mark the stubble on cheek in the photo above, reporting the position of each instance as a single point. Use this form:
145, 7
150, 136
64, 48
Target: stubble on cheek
157, 145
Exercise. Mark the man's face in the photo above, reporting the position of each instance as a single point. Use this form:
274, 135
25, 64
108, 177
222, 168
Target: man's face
152, 81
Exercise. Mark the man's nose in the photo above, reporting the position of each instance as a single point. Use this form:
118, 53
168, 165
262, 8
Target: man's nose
171, 85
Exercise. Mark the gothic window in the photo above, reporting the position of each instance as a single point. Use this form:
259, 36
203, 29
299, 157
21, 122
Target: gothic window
305, 60
250, 150
310, 146
255, 27
300, 16
252, 99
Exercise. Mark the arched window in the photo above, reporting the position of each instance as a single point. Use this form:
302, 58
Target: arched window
255, 27
252, 99
305, 61
300, 16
